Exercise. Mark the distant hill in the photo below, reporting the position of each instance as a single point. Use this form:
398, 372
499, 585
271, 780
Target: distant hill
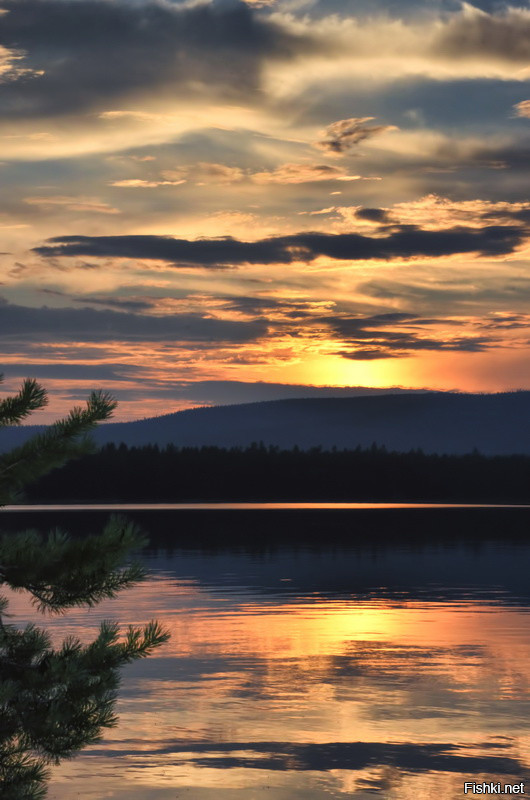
437, 422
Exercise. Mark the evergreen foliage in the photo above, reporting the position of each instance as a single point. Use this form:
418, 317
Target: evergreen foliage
63, 440
53, 701
261, 473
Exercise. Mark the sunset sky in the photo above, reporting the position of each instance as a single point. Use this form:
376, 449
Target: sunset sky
217, 201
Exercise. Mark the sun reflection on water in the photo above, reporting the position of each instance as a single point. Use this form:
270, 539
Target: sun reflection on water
282, 693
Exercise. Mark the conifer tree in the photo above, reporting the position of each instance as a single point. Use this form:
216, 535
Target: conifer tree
54, 701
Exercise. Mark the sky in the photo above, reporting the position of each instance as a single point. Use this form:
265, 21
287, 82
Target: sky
210, 201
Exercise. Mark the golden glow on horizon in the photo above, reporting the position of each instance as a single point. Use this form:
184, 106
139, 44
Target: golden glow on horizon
192, 156
468, 372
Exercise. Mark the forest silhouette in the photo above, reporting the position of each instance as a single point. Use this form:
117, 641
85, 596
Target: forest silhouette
118, 473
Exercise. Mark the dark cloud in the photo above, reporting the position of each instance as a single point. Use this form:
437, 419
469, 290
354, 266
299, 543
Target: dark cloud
408, 345
371, 339
345, 134
84, 372
520, 215
503, 36
400, 9
502, 322
369, 355
405, 242
512, 156
90, 325
115, 302
372, 214
390, 318
121, 303
294, 309
91, 50
497, 292
516, 156
251, 305
369, 8
437, 756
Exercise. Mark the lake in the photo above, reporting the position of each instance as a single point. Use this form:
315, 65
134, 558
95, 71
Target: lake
315, 654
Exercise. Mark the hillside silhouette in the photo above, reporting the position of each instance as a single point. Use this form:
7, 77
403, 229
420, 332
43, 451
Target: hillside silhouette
436, 422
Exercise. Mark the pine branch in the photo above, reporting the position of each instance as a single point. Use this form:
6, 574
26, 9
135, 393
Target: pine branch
62, 573
21, 776
63, 440
53, 702
139, 644
58, 701
30, 397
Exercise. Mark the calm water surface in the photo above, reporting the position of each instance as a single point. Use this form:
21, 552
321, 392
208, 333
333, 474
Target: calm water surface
353, 665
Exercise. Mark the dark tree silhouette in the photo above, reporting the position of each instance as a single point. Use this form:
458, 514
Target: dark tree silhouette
260, 473
54, 701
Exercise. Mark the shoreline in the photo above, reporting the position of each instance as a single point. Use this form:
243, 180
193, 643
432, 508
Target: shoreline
251, 506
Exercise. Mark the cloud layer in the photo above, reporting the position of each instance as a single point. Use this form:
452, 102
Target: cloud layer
225, 192
84, 53
491, 240
90, 325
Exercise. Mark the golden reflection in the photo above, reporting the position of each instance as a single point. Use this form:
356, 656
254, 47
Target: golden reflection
291, 695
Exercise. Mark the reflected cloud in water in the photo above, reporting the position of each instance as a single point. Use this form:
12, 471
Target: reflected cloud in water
298, 673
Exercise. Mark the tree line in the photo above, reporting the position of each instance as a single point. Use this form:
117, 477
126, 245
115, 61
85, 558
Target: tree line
118, 473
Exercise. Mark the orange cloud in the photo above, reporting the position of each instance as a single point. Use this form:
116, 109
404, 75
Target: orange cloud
90, 204
522, 109
138, 183
302, 173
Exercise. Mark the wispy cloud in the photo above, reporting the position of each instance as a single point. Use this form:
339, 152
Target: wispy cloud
224, 174
139, 183
90, 204
346, 134
304, 173
522, 109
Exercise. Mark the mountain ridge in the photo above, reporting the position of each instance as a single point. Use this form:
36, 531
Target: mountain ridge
436, 422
